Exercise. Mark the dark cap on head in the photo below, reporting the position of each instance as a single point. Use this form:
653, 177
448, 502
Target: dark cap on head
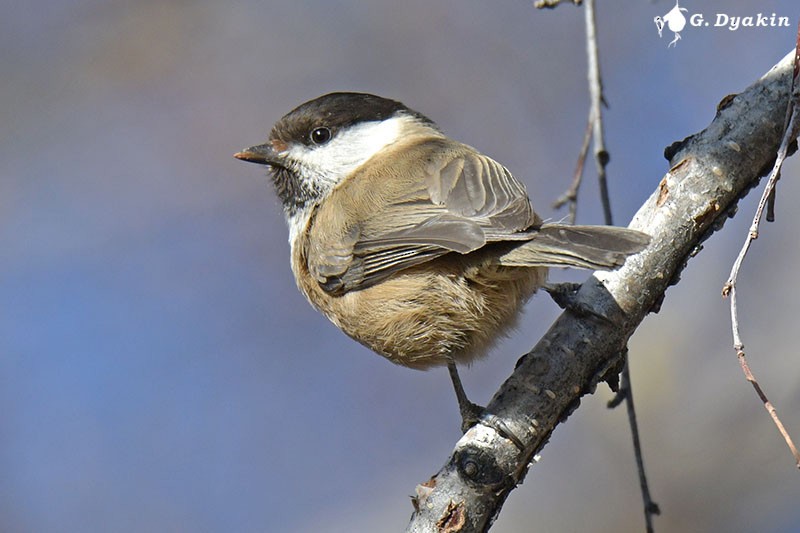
336, 111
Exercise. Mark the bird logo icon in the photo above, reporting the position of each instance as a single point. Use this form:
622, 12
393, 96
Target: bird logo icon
675, 21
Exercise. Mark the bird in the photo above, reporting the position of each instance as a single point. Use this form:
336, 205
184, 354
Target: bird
415, 245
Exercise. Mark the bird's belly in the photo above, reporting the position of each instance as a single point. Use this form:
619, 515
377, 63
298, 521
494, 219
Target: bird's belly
433, 313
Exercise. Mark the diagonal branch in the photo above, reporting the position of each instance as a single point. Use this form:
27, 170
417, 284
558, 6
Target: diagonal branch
710, 172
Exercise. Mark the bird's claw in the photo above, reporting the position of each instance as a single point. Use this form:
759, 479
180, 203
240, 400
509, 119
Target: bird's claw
471, 414
563, 294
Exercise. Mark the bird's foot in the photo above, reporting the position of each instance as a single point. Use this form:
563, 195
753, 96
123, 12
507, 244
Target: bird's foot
471, 414
565, 295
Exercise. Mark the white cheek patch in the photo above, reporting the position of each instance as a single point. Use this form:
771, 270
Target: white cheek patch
330, 163
349, 149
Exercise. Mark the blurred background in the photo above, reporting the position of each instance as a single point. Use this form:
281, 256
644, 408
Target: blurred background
159, 371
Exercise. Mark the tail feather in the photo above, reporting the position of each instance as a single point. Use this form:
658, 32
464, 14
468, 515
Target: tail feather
592, 247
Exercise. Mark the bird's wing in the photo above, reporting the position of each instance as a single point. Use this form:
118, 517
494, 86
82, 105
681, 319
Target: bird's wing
381, 221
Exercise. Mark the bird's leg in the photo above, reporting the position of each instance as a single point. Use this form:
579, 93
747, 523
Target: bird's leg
470, 412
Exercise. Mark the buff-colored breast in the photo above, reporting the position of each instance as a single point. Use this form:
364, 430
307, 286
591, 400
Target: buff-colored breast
451, 308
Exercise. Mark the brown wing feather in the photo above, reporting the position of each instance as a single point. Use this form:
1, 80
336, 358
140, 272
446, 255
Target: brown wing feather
379, 222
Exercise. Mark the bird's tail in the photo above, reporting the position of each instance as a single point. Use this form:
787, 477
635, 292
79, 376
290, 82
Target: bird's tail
593, 247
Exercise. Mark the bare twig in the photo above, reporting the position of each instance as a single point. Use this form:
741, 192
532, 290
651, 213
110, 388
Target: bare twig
596, 113
570, 196
791, 128
625, 393
601, 160
594, 128
706, 180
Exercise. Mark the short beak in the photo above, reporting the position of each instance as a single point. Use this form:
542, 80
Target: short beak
263, 154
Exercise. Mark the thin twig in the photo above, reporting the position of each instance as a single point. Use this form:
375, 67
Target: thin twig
601, 160
594, 130
791, 128
625, 393
570, 196
596, 113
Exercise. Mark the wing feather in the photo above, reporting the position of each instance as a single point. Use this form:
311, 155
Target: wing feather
457, 201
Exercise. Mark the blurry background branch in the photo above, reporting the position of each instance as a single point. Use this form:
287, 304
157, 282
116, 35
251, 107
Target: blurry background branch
710, 172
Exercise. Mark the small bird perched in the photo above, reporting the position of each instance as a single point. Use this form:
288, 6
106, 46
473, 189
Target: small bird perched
417, 246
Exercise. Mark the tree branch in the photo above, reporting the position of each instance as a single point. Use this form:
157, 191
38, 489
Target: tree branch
709, 172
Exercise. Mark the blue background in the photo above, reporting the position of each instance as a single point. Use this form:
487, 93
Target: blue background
160, 372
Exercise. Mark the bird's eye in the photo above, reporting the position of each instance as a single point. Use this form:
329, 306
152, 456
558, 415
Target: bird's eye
320, 135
